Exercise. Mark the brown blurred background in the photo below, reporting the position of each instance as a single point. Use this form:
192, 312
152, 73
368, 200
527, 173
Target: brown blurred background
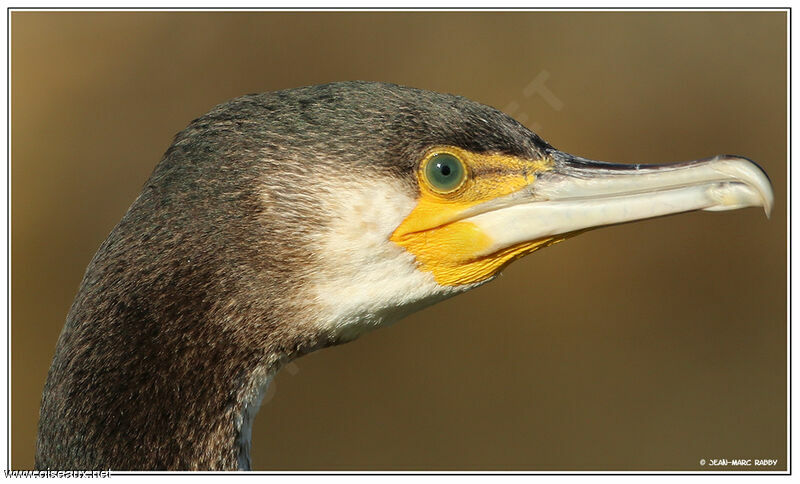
641, 347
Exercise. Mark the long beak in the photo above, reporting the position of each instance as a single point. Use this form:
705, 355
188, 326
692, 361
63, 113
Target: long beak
580, 194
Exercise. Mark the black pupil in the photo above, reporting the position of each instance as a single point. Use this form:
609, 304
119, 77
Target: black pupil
445, 169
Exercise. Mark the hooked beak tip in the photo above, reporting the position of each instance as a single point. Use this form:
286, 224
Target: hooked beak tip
581, 194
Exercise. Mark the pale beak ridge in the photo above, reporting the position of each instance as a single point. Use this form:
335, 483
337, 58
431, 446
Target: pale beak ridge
580, 194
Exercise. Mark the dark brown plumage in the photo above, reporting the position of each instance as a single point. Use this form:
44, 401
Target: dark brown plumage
194, 295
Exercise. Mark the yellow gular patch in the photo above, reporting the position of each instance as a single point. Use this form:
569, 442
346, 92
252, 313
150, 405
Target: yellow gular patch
436, 233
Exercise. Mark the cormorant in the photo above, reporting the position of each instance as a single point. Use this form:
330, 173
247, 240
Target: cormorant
285, 222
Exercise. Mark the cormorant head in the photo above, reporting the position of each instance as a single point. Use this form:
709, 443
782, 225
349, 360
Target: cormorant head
280, 223
379, 199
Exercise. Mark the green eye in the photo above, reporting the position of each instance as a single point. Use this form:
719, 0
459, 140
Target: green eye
445, 172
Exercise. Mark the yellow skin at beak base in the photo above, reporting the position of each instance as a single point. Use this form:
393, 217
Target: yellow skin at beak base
449, 247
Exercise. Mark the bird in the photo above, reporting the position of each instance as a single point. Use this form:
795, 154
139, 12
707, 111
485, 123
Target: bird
284, 222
